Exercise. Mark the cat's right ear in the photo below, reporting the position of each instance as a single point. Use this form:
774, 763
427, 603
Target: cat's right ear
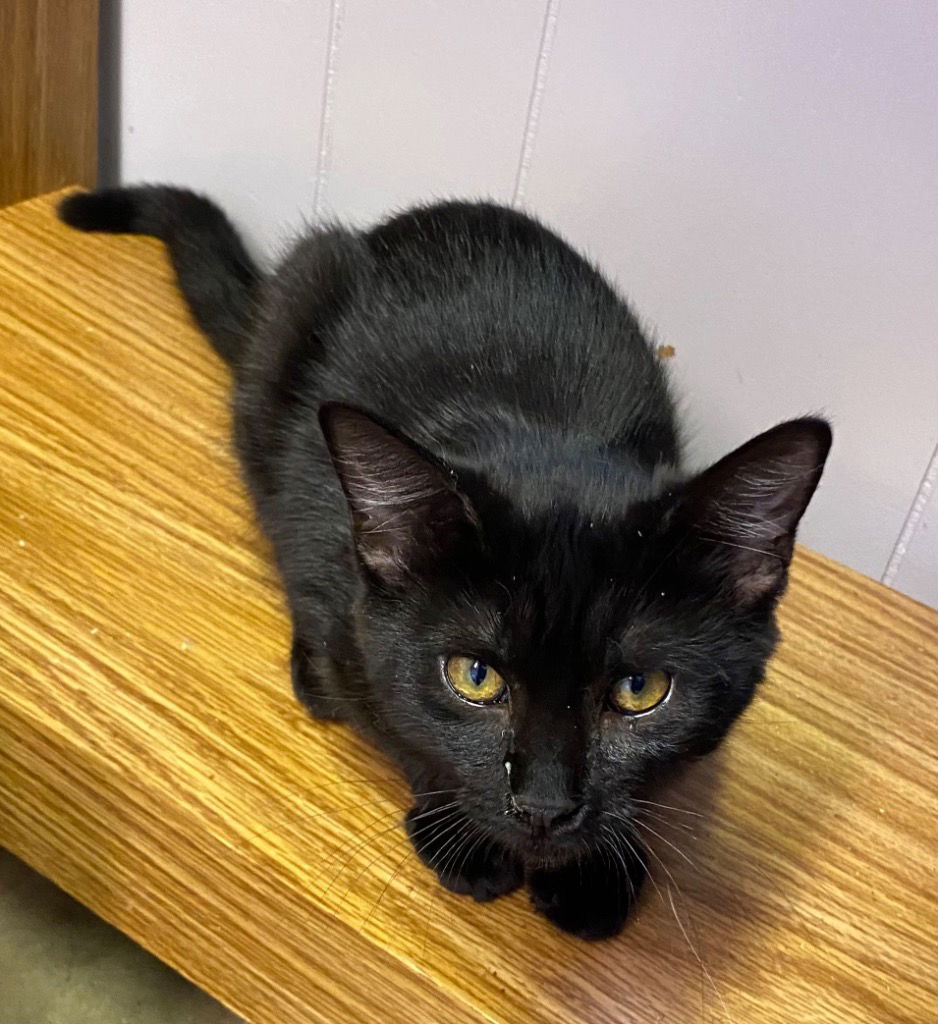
408, 516
747, 506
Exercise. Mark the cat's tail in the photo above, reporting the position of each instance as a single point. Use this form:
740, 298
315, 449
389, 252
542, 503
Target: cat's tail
216, 275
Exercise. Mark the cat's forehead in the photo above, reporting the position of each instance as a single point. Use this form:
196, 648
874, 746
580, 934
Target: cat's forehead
560, 622
565, 554
559, 600
570, 589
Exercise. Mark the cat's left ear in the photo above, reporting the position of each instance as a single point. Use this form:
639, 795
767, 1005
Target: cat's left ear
748, 505
408, 516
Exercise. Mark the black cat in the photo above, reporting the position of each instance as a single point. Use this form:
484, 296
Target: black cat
465, 454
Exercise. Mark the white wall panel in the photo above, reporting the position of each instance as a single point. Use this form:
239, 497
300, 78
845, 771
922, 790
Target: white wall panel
430, 99
225, 96
761, 180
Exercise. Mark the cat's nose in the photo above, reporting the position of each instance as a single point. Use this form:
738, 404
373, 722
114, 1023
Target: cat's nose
552, 814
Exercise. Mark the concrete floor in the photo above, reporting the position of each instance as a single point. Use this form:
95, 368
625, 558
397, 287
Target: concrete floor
59, 964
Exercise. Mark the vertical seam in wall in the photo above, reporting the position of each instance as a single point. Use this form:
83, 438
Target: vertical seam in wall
916, 511
325, 118
534, 104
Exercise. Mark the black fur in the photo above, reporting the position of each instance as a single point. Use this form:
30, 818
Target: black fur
216, 275
460, 443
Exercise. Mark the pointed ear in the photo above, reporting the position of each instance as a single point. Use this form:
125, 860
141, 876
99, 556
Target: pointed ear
749, 504
407, 513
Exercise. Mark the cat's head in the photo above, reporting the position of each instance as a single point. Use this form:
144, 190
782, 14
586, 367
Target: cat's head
548, 660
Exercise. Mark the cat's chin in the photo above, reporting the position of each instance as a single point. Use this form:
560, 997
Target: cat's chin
547, 860
543, 852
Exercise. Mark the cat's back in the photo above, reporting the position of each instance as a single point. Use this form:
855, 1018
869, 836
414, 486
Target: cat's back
446, 243
460, 320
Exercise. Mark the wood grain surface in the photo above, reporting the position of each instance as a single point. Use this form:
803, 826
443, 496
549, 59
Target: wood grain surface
48, 95
153, 763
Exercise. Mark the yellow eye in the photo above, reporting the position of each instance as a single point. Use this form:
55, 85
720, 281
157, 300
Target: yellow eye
640, 693
474, 681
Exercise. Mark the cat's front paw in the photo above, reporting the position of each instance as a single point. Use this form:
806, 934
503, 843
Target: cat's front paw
588, 899
464, 862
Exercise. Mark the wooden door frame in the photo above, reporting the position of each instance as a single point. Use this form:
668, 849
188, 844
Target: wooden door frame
48, 96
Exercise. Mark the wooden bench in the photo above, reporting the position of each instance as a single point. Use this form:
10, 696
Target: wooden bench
154, 764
